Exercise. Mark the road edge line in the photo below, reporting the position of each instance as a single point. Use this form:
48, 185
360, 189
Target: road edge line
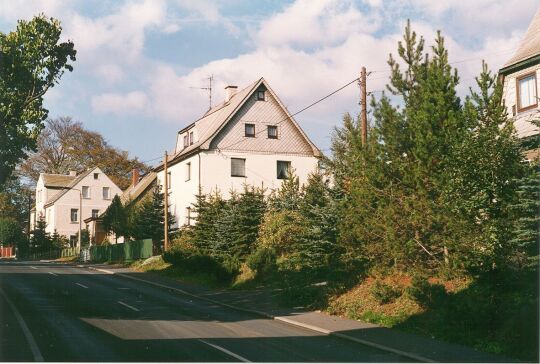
24, 327
279, 318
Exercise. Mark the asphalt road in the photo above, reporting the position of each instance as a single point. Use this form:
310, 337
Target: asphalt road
65, 313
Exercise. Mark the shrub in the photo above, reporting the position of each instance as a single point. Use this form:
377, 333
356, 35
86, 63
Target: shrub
262, 261
425, 293
384, 293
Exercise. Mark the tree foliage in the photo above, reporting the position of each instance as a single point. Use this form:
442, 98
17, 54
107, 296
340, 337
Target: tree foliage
32, 60
115, 218
66, 145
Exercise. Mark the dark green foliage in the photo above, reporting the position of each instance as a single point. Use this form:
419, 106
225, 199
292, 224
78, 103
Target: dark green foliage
58, 241
146, 219
190, 260
262, 261
424, 293
10, 232
384, 293
32, 60
115, 218
40, 239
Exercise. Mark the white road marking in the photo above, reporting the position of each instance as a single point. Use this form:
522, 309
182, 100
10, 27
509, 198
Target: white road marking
54, 274
81, 285
236, 356
128, 306
33, 267
26, 331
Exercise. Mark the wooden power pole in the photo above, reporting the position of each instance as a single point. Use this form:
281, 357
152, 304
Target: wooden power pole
363, 103
166, 204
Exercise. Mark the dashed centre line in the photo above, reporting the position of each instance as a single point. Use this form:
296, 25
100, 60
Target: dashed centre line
128, 306
228, 352
54, 274
33, 267
81, 285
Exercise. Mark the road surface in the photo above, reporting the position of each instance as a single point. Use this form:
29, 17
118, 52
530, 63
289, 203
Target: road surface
56, 312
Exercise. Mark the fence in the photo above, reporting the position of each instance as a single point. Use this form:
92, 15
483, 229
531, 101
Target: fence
53, 254
139, 249
7, 251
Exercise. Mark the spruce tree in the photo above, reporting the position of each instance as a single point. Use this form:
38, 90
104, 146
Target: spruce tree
115, 218
40, 239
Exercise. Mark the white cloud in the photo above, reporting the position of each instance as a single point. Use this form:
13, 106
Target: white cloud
114, 103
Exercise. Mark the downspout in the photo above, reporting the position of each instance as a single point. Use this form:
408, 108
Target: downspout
200, 184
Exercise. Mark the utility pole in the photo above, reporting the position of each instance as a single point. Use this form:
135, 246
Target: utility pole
363, 102
166, 204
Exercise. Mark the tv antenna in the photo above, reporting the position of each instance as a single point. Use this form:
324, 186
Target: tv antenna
209, 89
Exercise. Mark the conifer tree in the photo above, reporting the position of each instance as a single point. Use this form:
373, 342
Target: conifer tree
40, 238
115, 218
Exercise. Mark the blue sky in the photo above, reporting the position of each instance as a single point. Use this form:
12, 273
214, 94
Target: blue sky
139, 63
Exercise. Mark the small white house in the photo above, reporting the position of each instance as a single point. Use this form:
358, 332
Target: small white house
58, 199
521, 77
248, 139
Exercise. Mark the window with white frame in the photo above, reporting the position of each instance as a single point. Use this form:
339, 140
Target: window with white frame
260, 95
188, 171
106, 193
526, 92
95, 213
85, 191
74, 215
191, 138
238, 167
186, 140
283, 169
96, 175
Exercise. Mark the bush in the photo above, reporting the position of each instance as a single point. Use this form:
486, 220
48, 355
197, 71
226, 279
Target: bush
425, 293
262, 261
191, 260
384, 293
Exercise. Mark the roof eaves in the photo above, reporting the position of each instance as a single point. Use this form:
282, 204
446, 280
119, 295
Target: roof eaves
69, 187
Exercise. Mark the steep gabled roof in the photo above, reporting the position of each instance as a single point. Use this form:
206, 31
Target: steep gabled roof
68, 187
530, 44
57, 180
215, 119
134, 191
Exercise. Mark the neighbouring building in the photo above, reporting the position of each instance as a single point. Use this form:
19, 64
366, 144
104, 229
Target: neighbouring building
521, 77
58, 200
140, 188
248, 139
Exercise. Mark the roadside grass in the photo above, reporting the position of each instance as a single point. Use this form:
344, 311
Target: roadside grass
157, 265
499, 315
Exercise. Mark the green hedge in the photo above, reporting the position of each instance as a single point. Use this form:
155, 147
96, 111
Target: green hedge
133, 250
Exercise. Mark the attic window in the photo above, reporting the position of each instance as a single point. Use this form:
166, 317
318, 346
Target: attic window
186, 140
250, 130
272, 131
260, 95
526, 92
190, 138
96, 175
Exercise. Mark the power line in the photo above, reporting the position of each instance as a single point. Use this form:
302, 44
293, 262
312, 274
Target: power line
300, 111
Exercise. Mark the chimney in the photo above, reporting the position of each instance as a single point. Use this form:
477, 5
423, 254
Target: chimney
73, 173
229, 92
134, 176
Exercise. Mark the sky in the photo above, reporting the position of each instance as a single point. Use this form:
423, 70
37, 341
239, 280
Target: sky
141, 64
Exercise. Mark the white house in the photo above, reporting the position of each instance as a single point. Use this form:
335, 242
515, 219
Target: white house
521, 77
248, 139
58, 199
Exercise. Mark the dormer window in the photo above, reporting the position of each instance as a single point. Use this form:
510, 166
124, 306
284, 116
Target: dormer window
250, 130
260, 96
186, 140
190, 138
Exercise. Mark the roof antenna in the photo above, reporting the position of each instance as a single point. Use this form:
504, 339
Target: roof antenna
209, 89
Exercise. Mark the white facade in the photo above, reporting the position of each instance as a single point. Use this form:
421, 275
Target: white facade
205, 150
58, 199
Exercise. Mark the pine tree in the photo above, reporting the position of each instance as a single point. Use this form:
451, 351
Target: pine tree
115, 218
40, 239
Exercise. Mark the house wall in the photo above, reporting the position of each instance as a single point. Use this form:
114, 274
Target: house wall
521, 119
261, 170
62, 208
